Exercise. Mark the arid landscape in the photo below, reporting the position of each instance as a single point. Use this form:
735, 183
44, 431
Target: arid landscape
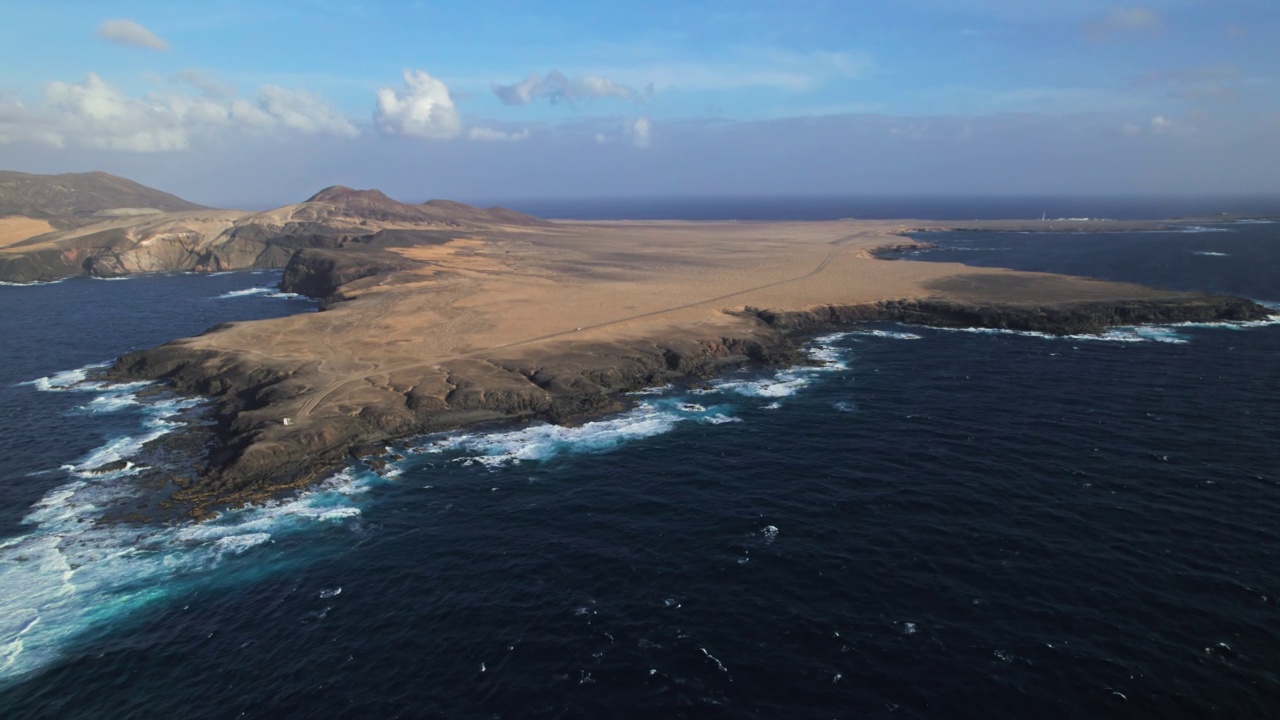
441, 315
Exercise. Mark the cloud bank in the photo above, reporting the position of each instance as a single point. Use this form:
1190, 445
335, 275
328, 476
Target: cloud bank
94, 114
130, 34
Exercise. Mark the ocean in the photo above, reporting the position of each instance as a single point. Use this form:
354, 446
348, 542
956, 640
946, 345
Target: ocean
928, 524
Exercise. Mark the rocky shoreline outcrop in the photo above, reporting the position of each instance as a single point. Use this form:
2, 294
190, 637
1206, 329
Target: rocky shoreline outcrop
253, 458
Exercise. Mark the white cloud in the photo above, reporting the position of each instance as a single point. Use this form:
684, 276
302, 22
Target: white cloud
640, 132
130, 34
1118, 21
484, 134
421, 108
304, 112
95, 114
556, 87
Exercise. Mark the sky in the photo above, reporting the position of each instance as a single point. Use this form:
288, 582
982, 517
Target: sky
255, 104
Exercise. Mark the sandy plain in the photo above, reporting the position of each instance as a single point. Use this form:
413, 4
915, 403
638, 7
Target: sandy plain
16, 228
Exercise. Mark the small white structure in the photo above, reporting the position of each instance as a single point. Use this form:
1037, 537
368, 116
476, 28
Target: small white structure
287, 421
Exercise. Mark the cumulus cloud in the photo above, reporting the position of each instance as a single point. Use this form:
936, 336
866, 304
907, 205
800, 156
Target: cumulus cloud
421, 108
130, 34
640, 132
95, 114
556, 87
1121, 21
484, 134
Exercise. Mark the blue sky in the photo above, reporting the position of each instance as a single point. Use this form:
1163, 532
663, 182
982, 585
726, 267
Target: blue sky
257, 103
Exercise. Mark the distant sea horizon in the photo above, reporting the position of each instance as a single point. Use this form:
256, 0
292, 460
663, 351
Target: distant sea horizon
891, 207
870, 207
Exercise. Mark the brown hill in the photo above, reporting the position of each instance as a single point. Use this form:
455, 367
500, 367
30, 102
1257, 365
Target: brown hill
76, 197
118, 242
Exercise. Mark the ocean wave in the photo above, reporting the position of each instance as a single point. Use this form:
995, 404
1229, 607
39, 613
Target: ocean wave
1198, 229
1162, 333
246, 292
33, 283
156, 424
77, 380
889, 334
264, 291
70, 574
783, 384
544, 441
1210, 253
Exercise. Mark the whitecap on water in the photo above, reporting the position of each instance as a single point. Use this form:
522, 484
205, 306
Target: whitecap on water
889, 334
70, 574
1141, 333
1210, 253
782, 384
543, 441
246, 292
31, 284
77, 380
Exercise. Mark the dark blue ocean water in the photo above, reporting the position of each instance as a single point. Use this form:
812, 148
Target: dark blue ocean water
932, 524
889, 207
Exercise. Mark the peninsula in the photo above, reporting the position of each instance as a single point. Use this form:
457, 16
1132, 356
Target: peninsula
439, 315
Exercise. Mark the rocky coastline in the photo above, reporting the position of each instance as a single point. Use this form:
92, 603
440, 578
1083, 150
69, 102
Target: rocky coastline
251, 458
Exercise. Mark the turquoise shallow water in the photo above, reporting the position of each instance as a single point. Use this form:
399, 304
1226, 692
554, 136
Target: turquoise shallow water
932, 524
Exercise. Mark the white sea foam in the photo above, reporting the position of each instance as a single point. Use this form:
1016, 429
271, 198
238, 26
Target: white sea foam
543, 441
77, 380
1197, 229
1210, 253
719, 419
246, 292
1141, 333
31, 284
67, 574
889, 334
1248, 221
783, 384
111, 402
112, 279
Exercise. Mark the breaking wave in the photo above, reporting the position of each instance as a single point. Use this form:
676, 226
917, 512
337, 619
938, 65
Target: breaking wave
72, 573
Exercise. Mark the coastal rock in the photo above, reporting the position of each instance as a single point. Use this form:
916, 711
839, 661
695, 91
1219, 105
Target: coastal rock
1073, 318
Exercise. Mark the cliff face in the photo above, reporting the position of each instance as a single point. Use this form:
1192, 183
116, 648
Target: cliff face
319, 272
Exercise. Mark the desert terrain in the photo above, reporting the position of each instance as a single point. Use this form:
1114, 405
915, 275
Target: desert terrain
555, 321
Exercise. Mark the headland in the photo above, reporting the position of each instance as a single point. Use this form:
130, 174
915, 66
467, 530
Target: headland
440, 316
